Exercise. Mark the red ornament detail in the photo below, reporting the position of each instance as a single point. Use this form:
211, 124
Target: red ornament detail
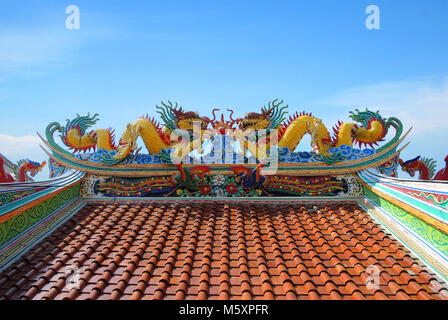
231, 188
205, 189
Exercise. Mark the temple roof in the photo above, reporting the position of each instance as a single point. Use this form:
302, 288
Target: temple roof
220, 250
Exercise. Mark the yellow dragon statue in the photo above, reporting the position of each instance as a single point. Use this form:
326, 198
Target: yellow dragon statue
371, 130
155, 137
184, 131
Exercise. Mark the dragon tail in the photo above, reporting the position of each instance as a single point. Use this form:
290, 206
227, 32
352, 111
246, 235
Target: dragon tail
74, 134
373, 127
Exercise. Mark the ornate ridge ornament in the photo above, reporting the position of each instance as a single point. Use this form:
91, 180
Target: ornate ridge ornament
24, 170
255, 155
426, 168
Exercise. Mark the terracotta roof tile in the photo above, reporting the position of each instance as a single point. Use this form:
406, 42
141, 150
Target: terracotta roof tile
215, 250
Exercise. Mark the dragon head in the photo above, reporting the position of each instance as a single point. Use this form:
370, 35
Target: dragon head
187, 120
30, 167
269, 118
410, 166
174, 117
417, 164
255, 121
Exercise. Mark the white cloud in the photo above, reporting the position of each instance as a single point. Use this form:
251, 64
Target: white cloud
19, 147
421, 103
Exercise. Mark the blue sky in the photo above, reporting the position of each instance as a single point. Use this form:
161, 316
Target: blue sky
316, 55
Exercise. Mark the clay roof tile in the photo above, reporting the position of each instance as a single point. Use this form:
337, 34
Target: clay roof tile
153, 250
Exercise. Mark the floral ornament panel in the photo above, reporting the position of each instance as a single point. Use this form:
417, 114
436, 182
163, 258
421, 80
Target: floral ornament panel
197, 182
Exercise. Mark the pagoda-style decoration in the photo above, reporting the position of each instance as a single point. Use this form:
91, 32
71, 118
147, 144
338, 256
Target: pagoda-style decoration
23, 171
426, 167
192, 155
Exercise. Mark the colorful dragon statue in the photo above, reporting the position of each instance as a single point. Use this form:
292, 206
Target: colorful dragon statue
426, 168
181, 132
371, 130
156, 138
21, 171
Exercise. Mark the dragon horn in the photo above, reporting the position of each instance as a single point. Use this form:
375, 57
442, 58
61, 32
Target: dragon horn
214, 115
177, 111
267, 112
231, 115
